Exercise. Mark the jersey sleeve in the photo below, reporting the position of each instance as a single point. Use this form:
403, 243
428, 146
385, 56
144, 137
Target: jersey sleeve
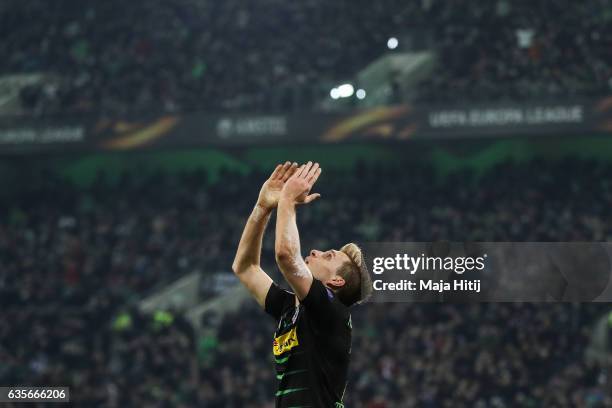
324, 308
278, 300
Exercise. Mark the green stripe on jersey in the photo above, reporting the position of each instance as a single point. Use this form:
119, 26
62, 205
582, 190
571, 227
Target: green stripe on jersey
281, 360
284, 359
289, 391
280, 376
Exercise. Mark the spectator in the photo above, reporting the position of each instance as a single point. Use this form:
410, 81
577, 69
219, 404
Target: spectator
72, 260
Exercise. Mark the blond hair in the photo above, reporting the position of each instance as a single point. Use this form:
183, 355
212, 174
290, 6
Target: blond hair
352, 273
353, 252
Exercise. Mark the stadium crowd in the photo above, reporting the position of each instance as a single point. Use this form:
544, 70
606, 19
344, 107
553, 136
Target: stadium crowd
513, 50
117, 56
73, 260
428, 355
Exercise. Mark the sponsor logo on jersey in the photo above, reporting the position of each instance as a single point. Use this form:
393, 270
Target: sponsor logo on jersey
285, 342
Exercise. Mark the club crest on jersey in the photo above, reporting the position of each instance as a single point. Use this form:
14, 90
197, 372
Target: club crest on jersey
285, 342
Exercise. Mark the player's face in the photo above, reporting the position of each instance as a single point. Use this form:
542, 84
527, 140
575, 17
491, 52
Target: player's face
324, 264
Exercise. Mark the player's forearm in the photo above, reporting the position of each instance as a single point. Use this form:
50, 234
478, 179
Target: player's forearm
287, 244
249, 248
287, 249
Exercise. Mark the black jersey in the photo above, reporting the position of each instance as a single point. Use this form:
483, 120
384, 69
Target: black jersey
311, 348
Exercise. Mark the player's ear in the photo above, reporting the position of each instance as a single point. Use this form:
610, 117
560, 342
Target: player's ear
336, 282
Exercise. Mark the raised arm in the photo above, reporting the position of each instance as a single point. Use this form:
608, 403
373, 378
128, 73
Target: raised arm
287, 245
246, 264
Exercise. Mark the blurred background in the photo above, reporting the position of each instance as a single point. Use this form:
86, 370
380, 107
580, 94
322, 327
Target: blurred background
134, 137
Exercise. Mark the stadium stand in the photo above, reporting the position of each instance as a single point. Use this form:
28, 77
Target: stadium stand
76, 260
72, 261
193, 55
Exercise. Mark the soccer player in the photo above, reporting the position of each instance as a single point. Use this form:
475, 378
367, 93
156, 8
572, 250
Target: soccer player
312, 343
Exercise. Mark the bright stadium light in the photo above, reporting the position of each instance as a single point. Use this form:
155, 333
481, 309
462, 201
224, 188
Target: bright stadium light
334, 93
361, 94
345, 90
392, 43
